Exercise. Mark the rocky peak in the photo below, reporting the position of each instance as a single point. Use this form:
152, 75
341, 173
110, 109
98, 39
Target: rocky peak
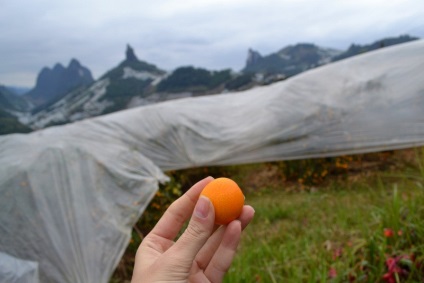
54, 83
74, 64
131, 64
252, 57
130, 54
58, 68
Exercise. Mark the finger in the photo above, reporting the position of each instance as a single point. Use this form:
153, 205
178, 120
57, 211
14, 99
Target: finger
208, 250
246, 216
222, 259
179, 212
199, 229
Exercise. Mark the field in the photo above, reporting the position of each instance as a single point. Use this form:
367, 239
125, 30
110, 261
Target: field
346, 219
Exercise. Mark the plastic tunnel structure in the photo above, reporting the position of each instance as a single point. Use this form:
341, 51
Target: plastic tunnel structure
69, 195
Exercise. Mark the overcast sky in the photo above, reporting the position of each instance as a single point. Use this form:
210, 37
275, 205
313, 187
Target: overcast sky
214, 34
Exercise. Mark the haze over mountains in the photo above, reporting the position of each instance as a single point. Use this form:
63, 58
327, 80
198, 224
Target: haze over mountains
67, 94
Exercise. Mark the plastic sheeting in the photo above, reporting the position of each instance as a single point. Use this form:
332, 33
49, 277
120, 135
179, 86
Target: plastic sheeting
70, 194
68, 200
14, 270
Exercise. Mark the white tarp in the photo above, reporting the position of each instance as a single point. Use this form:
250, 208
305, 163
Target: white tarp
69, 195
68, 200
14, 270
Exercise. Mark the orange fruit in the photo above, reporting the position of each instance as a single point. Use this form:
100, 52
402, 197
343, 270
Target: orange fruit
227, 199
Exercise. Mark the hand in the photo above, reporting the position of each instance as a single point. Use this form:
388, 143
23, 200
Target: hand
204, 251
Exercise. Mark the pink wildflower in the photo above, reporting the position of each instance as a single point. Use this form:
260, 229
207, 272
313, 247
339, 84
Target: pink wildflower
332, 273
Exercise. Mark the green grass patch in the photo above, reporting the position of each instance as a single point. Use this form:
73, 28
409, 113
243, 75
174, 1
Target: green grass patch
343, 233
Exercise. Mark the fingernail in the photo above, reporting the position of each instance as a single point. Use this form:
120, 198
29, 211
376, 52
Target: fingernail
202, 207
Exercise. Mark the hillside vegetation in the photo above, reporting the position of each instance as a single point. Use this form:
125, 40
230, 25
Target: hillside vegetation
345, 219
10, 124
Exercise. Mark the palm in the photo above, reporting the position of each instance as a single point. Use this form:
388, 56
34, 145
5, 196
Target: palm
159, 258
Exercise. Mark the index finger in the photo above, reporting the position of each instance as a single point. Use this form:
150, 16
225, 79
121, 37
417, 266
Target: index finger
179, 212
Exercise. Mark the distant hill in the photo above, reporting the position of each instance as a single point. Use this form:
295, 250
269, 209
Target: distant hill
356, 49
9, 124
132, 83
18, 90
295, 59
112, 92
199, 81
10, 103
53, 84
290, 60
132, 77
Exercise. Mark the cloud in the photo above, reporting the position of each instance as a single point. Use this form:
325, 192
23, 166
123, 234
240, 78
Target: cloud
170, 33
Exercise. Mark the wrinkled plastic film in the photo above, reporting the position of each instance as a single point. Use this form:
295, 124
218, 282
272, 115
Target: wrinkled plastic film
367, 103
71, 205
69, 195
14, 270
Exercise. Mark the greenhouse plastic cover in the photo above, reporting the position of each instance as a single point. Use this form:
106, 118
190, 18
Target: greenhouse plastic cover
69, 195
14, 270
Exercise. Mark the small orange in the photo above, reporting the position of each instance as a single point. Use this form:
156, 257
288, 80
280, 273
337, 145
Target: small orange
227, 199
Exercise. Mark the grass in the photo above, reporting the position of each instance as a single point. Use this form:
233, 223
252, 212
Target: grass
363, 222
345, 232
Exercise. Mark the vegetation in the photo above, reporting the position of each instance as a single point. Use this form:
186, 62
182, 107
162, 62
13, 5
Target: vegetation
239, 82
361, 221
118, 72
355, 234
50, 105
193, 79
120, 91
10, 124
11, 101
356, 49
288, 61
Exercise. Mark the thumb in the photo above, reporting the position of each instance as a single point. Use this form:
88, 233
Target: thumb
198, 231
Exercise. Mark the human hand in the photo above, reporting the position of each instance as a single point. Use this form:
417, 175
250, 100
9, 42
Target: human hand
203, 253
